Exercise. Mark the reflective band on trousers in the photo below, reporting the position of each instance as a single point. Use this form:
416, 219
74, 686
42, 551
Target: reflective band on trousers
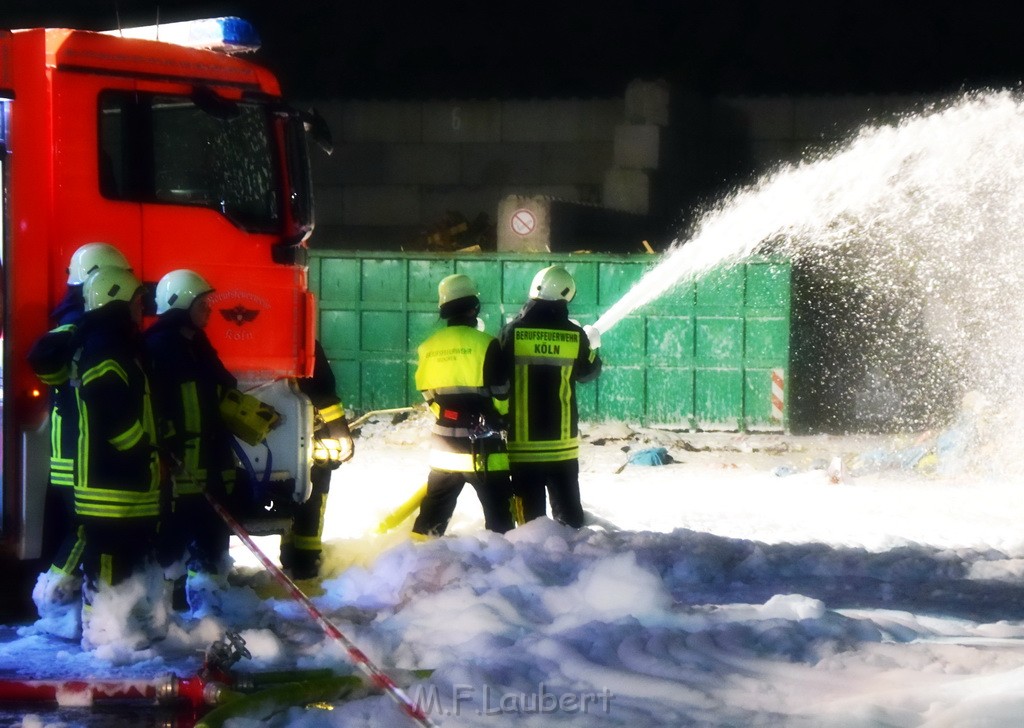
549, 456
544, 451
106, 503
463, 462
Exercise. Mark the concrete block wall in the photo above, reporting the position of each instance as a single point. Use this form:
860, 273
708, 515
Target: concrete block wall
639, 147
399, 167
789, 129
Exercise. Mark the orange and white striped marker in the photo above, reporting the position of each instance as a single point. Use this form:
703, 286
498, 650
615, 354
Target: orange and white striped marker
778, 393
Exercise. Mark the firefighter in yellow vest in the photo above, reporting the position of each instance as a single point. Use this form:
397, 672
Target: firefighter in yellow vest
549, 353
461, 376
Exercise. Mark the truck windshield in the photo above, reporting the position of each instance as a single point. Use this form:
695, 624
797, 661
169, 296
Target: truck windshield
175, 150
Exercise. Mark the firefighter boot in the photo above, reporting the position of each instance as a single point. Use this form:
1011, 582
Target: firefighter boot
116, 617
205, 593
304, 564
57, 596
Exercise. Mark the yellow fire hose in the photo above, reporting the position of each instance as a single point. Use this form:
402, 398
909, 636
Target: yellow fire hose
397, 516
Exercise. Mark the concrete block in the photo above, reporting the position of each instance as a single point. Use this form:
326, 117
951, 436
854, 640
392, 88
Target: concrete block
363, 237
376, 121
470, 203
361, 164
628, 190
502, 164
579, 163
647, 102
381, 205
437, 164
524, 224
462, 121
572, 120
329, 204
637, 146
573, 193
896, 106
376, 163
600, 118
834, 117
767, 154
765, 117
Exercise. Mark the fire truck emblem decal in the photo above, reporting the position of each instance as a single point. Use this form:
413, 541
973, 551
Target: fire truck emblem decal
240, 315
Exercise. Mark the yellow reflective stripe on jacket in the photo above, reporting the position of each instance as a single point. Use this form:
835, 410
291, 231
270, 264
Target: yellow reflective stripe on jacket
522, 400
522, 397
130, 437
190, 404
55, 429
433, 393
104, 367
565, 402
62, 471
54, 378
463, 462
332, 413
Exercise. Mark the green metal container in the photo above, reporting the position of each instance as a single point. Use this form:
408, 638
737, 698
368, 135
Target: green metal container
709, 354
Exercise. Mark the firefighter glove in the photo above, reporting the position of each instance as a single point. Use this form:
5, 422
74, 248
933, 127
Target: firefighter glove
333, 444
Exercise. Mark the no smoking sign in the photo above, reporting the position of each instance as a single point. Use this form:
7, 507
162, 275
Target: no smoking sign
523, 222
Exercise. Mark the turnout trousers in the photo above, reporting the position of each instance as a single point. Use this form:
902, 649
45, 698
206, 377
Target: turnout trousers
561, 481
443, 489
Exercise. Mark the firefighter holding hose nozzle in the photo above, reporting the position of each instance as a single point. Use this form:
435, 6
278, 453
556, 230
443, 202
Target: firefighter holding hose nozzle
548, 353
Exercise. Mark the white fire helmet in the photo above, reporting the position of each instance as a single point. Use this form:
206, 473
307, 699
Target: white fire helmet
179, 289
553, 284
91, 257
453, 287
107, 285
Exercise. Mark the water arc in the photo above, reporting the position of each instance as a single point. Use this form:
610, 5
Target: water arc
912, 230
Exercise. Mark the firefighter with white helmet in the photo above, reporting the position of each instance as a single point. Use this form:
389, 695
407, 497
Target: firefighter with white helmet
57, 594
89, 258
118, 488
190, 382
461, 375
553, 283
548, 355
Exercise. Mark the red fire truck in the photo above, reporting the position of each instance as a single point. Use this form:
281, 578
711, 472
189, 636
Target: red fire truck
182, 155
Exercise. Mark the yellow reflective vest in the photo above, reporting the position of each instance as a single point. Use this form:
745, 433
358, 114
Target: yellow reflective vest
462, 378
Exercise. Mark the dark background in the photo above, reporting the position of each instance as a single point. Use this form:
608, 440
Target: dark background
481, 49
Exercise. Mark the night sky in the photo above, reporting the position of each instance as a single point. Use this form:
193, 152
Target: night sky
527, 48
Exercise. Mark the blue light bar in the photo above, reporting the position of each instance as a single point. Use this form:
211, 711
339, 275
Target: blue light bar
226, 35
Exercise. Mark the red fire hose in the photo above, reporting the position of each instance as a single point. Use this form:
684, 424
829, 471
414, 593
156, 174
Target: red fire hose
378, 677
164, 689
